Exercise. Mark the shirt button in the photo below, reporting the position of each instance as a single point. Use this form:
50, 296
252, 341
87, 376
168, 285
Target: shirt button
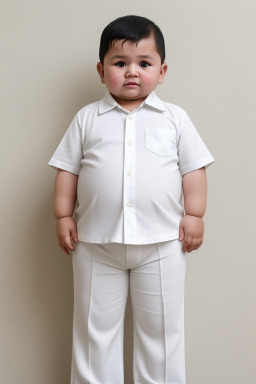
128, 204
129, 142
130, 118
129, 173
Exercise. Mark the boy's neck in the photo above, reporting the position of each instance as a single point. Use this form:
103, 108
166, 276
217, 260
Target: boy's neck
129, 105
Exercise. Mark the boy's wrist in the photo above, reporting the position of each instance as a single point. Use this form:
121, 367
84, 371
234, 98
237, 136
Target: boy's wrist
62, 217
198, 216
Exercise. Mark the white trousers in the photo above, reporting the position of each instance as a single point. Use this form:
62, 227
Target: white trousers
103, 274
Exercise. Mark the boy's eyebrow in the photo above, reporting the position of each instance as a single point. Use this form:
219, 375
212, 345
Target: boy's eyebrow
146, 57
118, 57
125, 57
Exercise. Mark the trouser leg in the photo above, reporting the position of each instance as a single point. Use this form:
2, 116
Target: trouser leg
100, 295
157, 295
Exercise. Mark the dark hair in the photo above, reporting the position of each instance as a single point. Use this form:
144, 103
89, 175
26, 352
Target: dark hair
133, 28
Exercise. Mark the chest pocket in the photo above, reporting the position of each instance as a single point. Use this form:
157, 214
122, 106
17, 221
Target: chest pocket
161, 141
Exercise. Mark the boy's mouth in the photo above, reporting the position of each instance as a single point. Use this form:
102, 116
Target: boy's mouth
131, 83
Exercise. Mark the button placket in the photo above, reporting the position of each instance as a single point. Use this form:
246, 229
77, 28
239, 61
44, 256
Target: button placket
129, 180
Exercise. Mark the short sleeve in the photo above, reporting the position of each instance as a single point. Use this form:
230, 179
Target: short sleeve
193, 153
69, 152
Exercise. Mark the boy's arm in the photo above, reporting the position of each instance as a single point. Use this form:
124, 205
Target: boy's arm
195, 197
65, 192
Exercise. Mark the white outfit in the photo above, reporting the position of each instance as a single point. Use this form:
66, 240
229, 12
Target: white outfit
130, 168
102, 275
129, 207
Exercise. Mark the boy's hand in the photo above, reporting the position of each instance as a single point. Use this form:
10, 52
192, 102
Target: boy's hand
66, 233
191, 231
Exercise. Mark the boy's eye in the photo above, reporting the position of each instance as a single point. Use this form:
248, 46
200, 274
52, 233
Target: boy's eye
144, 64
120, 64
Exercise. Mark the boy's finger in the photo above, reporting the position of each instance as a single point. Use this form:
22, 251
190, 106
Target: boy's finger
199, 243
184, 247
74, 236
194, 244
68, 243
64, 249
190, 248
187, 244
181, 233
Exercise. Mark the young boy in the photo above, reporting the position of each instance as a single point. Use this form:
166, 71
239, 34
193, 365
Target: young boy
123, 165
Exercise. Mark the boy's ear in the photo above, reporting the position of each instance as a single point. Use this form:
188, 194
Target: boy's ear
100, 69
163, 71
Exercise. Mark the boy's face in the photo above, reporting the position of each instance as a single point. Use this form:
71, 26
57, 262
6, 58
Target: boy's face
132, 70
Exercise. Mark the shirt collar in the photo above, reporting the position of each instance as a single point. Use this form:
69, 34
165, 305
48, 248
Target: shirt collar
153, 101
108, 103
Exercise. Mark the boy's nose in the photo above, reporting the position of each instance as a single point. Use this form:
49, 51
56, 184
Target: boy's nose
131, 71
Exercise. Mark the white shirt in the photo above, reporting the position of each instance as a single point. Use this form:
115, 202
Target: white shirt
130, 167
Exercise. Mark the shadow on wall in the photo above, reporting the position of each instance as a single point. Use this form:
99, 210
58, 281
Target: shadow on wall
52, 298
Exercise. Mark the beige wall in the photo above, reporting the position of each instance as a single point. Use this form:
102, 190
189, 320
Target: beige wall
49, 51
